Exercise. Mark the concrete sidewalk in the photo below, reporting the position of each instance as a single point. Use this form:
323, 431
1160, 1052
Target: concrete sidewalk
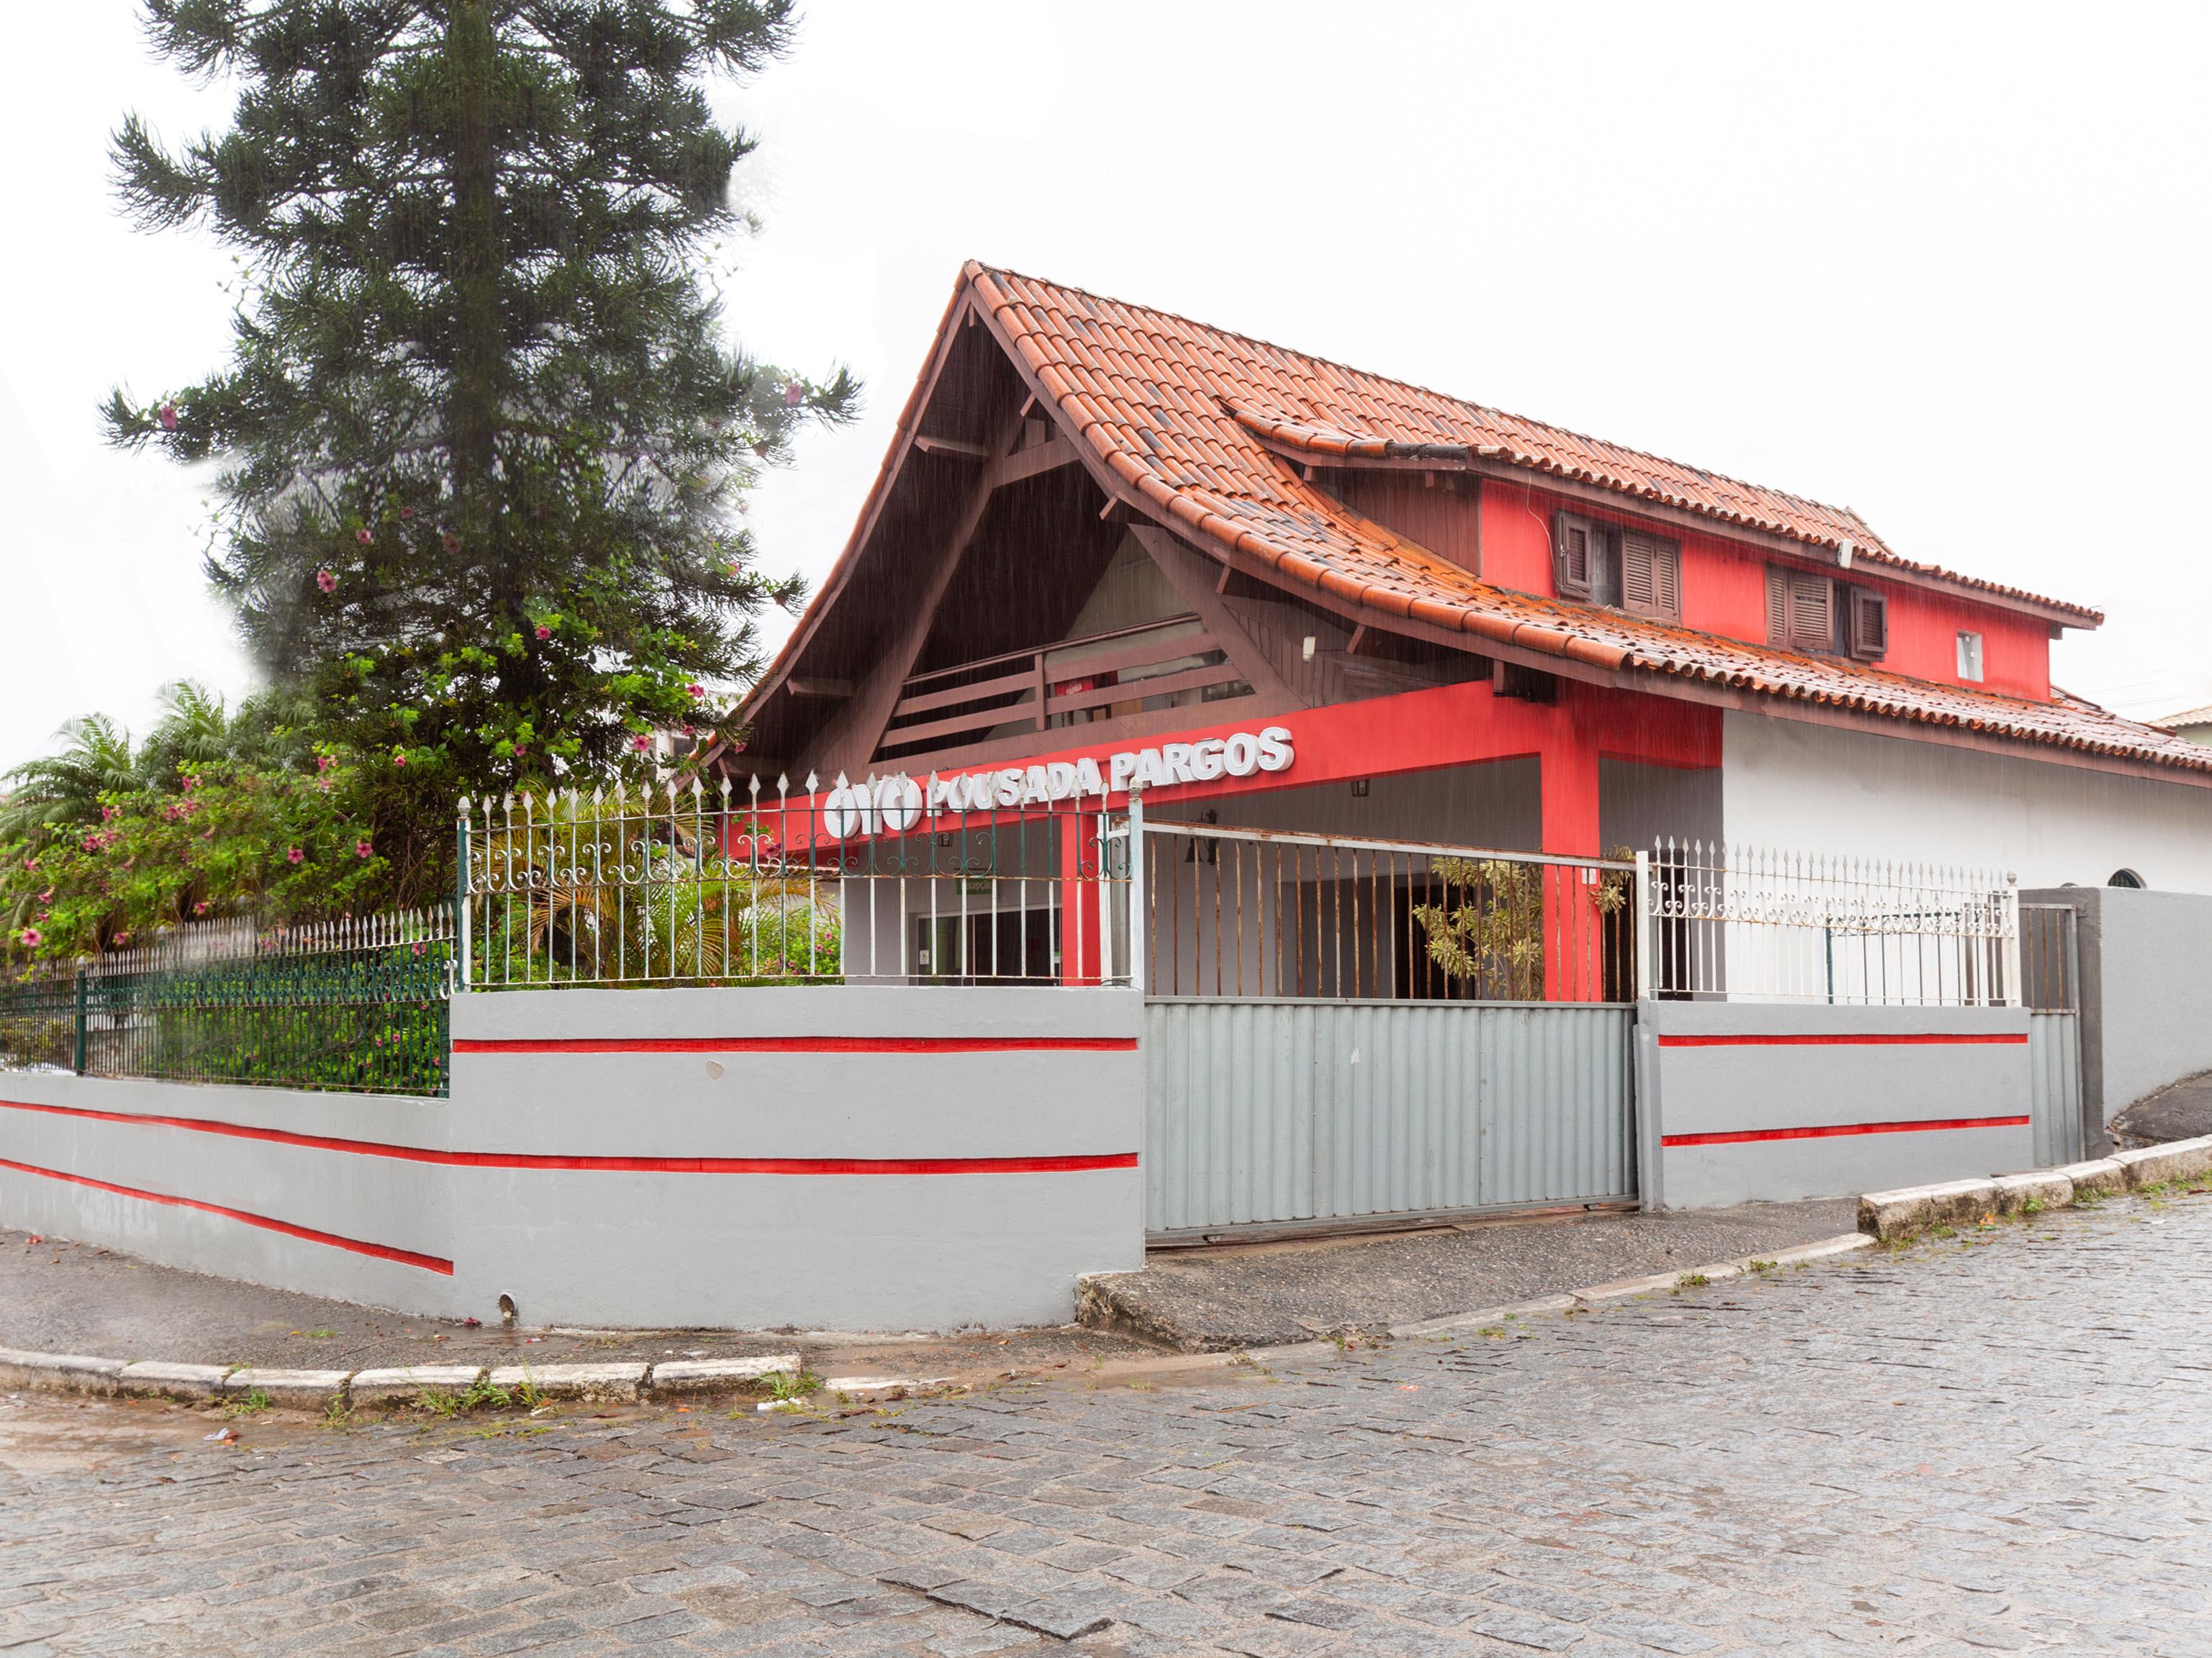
62, 1297
1264, 1295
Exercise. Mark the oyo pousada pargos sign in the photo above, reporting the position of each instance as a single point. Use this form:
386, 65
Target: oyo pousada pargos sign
895, 805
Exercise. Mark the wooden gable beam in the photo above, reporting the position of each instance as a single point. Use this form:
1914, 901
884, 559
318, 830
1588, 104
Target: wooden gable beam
852, 737
1190, 574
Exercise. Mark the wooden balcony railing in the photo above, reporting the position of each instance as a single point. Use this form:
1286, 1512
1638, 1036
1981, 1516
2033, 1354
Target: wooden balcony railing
1039, 690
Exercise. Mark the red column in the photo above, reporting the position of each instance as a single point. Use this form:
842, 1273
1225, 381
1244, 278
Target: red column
1079, 897
1574, 937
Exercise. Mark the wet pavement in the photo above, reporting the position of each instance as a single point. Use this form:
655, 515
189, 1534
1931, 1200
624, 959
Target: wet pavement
1997, 1443
1219, 1299
62, 1297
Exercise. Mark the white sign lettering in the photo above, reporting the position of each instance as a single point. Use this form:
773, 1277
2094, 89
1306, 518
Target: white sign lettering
895, 805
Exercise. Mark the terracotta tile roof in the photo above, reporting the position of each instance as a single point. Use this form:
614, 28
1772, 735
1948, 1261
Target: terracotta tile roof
1176, 411
1185, 402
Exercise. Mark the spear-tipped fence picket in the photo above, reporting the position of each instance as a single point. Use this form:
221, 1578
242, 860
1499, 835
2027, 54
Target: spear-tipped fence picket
357, 1004
895, 880
1735, 923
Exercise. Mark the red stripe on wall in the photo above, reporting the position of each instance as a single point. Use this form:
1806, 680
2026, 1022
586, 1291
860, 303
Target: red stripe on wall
380, 1251
1743, 1136
795, 1045
1916, 1039
1036, 1165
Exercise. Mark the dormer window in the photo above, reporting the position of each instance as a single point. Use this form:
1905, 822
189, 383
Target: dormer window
1970, 657
1809, 612
1626, 569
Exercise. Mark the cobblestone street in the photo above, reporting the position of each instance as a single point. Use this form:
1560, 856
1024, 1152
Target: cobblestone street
1999, 1443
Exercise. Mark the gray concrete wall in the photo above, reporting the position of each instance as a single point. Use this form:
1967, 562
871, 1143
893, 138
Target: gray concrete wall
167, 1139
1787, 1077
816, 1249
716, 1157
2146, 960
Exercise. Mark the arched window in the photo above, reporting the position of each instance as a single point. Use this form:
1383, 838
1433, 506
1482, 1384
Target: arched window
2125, 877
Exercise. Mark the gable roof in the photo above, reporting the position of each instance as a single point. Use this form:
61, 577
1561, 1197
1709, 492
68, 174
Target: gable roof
1188, 421
1194, 409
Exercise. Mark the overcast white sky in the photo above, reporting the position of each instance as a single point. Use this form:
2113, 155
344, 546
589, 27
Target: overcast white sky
1946, 266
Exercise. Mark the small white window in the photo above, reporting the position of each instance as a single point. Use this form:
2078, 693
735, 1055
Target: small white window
1970, 656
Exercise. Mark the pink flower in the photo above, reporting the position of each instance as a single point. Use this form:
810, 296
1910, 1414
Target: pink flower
696, 690
362, 849
735, 568
327, 581
105, 813
521, 749
325, 762
794, 395
32, 936
200, 908
688, 732
737, 748
190, 783
124, 937
640, 744
167, 412
295, 856
406, 513
363, 536
48, 896
399, 759
544, 632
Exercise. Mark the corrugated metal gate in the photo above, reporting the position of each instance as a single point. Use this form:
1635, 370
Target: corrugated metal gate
2050, 974
1333, 1066
1267, 1112
2054, 1050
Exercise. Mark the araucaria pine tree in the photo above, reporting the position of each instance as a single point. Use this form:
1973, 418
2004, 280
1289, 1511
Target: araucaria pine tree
481, 440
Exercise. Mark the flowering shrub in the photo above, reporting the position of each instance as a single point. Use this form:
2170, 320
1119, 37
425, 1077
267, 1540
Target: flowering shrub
231, 838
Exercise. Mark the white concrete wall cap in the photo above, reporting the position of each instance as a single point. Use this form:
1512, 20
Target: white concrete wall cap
879, 1010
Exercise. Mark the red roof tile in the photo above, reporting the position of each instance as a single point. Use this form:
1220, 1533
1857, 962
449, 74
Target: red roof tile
1179, 419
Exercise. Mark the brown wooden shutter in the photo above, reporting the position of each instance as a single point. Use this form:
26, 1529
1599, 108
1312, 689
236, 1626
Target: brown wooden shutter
1812, 613
1570, 555
1650, 576
1636, 575
1869, 625
1777, 606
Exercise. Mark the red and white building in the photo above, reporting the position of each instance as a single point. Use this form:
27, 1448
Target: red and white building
1102, 528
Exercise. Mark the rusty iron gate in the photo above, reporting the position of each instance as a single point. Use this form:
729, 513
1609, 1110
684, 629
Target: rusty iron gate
1338, 1030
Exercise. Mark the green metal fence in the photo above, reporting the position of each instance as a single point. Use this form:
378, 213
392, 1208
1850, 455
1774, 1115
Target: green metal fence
359, 1006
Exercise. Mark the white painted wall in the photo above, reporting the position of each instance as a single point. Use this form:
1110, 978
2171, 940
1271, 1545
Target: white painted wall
1814, 788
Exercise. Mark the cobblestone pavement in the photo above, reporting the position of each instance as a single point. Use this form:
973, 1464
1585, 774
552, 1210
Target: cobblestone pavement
2002, 1443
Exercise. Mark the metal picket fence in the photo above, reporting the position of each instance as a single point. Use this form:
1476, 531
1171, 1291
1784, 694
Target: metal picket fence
895, 880
1735, 923
358, 1004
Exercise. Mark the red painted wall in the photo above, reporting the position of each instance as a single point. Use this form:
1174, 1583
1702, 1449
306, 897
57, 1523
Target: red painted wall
1724, 592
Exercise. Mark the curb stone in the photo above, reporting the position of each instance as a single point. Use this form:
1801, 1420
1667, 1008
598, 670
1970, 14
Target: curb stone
79, 1373
2154, 1165
308, 1387
708, 1375
153, 1379
2100, 1178
1909, 1209
66, 1372
618, 1383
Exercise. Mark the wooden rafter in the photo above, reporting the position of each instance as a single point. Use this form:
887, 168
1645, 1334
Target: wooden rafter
1188, 573
851, 738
